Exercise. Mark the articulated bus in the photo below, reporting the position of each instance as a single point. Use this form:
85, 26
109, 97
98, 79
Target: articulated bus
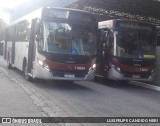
126, 51
53, 43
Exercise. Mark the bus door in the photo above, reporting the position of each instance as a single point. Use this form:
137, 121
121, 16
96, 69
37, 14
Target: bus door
101, 59
32, 45
13, 45
104, 52
9, 49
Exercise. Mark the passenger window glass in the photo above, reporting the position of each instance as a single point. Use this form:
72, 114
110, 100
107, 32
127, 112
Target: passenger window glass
23, 30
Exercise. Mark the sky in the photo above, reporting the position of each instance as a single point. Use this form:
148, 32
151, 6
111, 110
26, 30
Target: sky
6, 6
22, 7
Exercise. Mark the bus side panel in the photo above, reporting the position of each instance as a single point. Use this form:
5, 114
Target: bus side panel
21, 52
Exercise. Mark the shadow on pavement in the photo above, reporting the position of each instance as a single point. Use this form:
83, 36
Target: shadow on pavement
61, 85
119, 84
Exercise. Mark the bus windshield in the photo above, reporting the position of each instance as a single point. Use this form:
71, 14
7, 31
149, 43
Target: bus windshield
135, 44
64, 38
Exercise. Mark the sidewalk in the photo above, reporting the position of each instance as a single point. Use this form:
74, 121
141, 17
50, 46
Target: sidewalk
14, 101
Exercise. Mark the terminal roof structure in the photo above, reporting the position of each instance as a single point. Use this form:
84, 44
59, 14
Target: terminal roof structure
145, 10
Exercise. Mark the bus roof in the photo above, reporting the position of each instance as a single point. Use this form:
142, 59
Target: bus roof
38, 13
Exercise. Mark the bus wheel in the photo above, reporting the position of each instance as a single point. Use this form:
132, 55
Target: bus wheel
25, 67
8, 63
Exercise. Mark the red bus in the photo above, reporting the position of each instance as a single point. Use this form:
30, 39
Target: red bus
53, 43
126, 51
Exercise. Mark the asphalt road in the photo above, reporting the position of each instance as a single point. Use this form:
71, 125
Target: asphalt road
88, 99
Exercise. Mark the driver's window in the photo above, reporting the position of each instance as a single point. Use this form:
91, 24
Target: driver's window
57, 37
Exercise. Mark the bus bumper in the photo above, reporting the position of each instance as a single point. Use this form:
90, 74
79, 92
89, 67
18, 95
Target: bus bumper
115, 75
42, 73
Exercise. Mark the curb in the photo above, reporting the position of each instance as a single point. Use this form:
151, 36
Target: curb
145, 85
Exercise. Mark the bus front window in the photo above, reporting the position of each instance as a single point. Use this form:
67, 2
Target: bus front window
147, 44
83, 40
56, 37
63, 38
135, 45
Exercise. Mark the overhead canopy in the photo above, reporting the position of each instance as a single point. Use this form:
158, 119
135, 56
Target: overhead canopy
146, 10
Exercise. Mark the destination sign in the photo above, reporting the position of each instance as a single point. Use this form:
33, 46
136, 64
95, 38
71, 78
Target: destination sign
134, 25
56, 13
68, 14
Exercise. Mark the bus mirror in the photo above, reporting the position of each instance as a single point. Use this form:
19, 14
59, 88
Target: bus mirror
38, 38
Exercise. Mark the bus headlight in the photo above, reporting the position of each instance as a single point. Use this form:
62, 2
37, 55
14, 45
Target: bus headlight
44, 65
116, 68
92, 68
153, 70
40, 62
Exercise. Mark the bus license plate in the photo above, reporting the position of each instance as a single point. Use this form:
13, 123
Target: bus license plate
136, 76
69, 76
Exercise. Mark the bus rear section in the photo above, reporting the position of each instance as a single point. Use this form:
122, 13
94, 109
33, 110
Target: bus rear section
127, 50
61, 45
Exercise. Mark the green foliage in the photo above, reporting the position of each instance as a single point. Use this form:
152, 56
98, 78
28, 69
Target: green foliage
3, 26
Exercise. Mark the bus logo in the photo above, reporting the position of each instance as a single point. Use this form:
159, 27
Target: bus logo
80, 68
6, 120
144, 70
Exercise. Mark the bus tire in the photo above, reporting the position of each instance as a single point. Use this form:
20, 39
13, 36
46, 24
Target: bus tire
25, 67
9, 66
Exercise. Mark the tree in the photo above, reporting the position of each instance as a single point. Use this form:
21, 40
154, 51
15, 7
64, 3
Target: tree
3, 26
